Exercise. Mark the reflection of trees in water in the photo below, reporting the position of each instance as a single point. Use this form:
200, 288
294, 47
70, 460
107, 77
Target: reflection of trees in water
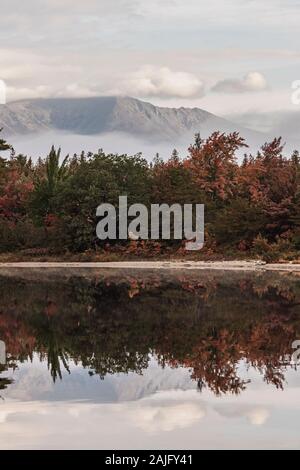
207, 325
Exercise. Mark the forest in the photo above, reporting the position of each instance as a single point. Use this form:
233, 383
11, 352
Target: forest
252, 205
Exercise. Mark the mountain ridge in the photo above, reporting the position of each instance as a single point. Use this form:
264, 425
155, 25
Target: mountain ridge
96, 115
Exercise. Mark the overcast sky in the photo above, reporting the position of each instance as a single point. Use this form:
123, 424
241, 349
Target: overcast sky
225, 56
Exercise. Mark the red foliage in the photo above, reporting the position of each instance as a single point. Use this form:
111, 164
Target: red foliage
214, 164
14, 194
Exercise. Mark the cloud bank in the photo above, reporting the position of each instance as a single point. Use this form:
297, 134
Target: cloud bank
74, 48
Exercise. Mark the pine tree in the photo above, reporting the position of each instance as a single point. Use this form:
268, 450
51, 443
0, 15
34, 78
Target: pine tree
3, 144
198, 141
175, 156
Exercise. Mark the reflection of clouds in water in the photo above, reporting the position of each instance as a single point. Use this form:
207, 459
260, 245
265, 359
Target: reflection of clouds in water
257, 415
153, 410
82, 423
169, 410
169, 419
3, 416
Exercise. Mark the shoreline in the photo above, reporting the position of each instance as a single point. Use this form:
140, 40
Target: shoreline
259, 266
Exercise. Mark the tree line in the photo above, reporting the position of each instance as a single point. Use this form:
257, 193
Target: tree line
252, 208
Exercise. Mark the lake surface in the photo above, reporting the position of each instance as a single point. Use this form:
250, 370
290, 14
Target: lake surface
120, 359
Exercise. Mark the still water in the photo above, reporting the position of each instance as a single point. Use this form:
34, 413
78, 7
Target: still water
145, 360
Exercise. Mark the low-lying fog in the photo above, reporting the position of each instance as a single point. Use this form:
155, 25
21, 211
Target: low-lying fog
38, 145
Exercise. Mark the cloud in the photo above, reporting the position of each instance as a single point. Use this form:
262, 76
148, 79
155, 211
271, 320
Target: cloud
163, 82
253, 81
2, 92
75, 90
20, 93
97, 45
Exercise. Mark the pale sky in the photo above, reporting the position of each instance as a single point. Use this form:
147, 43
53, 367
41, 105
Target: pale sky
224, 56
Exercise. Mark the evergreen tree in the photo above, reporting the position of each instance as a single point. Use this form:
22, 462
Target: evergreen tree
4, 145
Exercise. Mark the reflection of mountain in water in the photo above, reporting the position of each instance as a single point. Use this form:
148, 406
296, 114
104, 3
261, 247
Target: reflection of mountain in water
33, 382
199, 325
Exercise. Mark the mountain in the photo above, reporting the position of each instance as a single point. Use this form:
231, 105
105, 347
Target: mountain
135, 122
90, 116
